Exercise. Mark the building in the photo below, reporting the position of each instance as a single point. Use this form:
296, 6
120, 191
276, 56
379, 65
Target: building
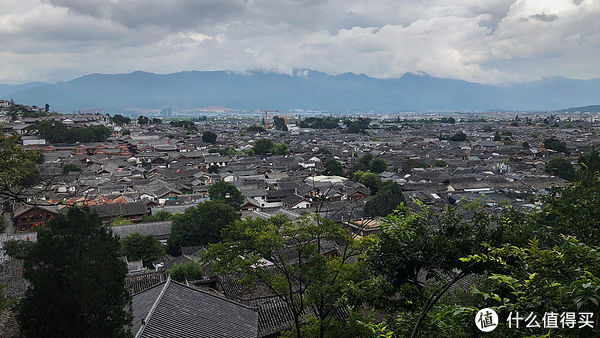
172, 309
28, 217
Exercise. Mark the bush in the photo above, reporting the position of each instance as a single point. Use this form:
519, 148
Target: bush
188, 271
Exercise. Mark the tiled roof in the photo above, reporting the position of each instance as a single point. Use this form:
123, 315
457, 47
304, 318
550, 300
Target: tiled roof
172, 309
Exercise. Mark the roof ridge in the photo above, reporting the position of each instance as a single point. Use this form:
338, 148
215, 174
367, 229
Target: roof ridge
162, 292
213, 295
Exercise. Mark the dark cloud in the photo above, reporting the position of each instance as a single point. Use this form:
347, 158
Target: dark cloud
175, 14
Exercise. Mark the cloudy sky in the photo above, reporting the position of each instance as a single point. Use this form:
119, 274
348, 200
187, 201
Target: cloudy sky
487, 41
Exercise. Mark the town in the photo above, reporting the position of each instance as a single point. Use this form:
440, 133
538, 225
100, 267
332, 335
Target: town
143, 174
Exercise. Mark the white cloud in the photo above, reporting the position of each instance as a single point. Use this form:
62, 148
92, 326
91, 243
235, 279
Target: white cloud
485, 41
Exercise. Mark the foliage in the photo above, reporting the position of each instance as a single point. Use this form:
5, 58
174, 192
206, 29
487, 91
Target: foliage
370, 180
388, 198
525, 145
327, 122
200, 225
324, 151
3, 224
333, 168
69, 167
280, 149
487, 128
279, 123
449, 120
159, 216
213, 169
76, 281
119, 220
440, 164
263, 146
555, 144
290, 259
228, 193
146, 248
142, 120
459, 136
497, 137
126, 132
17, 248
209, 137
431, 242
120, 120
378, 165
187, 125
189, 271
18, 168
560, 167
255, 128
57, 132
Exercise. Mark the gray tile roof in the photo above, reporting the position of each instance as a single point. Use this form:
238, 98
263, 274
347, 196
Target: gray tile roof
172, 309
159, 230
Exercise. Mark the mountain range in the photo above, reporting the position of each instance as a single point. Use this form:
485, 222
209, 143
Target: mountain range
306, 89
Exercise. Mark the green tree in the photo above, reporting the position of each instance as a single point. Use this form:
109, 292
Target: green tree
560, 167
378, 165
200, 225
228, 193
525, 145
67, 168
263, 146
120, 120
497, 137
255, 128
159, 216
370, 180
280, 149
17, 248
18, 169
300, 271
431, 243
142, 120
279, 123
440, 164
388, 198
189, 271
209, 137
459, 136
333, 168
213, 169
146, 248
555, 144
76, 281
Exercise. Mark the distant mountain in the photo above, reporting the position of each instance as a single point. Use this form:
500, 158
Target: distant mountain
585, 109
6, 90
310, 90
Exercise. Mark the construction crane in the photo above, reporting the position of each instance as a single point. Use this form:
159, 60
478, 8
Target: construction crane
267, 117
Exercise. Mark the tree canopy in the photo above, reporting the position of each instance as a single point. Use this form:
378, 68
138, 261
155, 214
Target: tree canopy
146, 248
228, 193
18, 168
57, 132
560, 167
77, 280
209, 137
388, 198
333, 168
200, 225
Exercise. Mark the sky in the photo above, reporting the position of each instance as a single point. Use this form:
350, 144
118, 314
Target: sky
485, 41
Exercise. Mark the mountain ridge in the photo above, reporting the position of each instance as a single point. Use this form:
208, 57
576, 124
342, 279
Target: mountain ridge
305, 89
